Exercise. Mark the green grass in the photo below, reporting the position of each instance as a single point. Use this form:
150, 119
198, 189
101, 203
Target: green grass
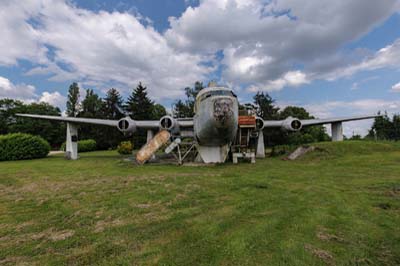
338, 206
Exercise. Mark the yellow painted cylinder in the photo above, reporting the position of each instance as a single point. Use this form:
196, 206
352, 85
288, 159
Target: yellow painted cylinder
152, 146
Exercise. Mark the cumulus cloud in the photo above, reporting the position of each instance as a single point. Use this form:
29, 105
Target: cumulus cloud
27, 93
95, 48
291, 79
53, 98
16, 91
271, 38
265, 44
19, 39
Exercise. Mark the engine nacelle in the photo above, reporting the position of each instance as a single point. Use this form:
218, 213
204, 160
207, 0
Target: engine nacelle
291, 124
259, 123
127, 125
167, 123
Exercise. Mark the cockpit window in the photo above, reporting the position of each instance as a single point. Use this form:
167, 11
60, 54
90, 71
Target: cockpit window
217, 93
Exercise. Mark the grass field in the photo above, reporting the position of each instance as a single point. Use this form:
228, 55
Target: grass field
339, 206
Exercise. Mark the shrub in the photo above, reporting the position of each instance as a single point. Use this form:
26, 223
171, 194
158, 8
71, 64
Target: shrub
19, 146
125, 147
84, 145
87, 145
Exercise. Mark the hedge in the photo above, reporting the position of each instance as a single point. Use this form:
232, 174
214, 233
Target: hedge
84, 145
19, 146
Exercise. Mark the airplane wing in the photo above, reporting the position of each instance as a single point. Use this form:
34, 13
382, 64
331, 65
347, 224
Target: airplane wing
294, 124
312, 122
126, 124
77, 120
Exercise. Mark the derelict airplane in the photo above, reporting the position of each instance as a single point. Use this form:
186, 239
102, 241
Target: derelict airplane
213, 128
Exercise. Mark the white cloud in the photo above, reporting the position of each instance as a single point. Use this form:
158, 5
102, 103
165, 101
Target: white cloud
270, 38
266, 44
16, 91
19, 39
396, 87
388, 56
291, 79
54, 98
100, 48
27, 93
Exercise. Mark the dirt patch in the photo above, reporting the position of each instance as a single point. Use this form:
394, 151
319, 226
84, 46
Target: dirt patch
19, 261
61, 235
52, 235
31, 187
143, 206
108, 223
323, 235
395, 191
23, 225
48, 234
320, 253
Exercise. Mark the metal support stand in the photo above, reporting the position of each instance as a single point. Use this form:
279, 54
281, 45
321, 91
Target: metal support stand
71, 147
260, 150
337, 131
183, 149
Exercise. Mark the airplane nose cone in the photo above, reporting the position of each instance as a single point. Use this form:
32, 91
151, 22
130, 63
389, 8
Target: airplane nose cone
223, 110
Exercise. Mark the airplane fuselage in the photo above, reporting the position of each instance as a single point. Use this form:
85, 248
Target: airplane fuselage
215, 122
216, 118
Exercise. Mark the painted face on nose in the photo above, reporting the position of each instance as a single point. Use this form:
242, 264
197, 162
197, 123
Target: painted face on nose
223, 110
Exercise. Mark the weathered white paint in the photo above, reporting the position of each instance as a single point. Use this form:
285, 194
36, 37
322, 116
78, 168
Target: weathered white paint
246, 155
260, 150
150, 135
213, 154
71, 146
337, 131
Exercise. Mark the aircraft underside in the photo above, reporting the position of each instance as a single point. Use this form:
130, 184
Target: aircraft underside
213, 154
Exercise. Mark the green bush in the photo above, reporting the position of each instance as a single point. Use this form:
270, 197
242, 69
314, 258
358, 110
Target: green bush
84, 145
19, 146
125, 147
87, 145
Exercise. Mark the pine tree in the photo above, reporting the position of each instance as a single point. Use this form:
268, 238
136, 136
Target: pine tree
73, 100
140, 104
112, 99
141, 107
91, 107
111, 137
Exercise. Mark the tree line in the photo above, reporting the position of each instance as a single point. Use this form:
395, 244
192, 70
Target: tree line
385, 128
140, 107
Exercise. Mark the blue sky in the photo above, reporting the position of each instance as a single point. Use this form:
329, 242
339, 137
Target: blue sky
334, 58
